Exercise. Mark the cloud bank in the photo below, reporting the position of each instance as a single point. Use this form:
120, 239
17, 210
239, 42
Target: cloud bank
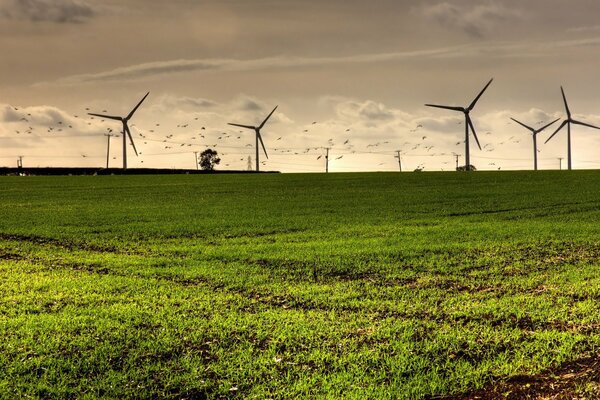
475, 21
56, 11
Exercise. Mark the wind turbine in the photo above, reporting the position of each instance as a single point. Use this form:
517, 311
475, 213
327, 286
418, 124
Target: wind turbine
126, 131
258, 136
534, 133
468, 122
568, 123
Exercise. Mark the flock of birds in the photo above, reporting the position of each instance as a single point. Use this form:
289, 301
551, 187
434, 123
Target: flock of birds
193, 134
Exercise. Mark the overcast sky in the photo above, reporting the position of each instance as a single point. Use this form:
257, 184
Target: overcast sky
362, 70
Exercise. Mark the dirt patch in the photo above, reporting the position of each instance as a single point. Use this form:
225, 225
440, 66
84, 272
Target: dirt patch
65, 244
578, 379
11, 257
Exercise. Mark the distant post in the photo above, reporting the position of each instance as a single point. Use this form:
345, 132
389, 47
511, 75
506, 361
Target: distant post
560, 163
196, 158
327, 160
108, 136
399, 160
20, 162
456, 156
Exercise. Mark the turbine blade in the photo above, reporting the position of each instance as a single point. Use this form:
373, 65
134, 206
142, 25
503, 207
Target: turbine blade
584, 124
106, 116
262, 143
266, 119
523, 125
136, 107
566, 121
473, 130
479, 95
565, 100
545, 126
461, 109
130, 138
243, 126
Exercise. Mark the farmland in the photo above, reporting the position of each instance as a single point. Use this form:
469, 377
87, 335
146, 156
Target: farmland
371, 285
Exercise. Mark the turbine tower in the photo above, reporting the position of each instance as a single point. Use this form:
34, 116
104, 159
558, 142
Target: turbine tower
258, 136
534, 133
568, 123
468, 122
126, 131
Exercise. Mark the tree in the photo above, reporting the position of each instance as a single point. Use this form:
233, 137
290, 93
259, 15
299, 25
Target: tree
208, 159
464, 168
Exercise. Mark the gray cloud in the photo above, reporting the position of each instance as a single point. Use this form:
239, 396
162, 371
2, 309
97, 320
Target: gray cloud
475, 21
368, 111
38, 115
245, 103
170, 102
57, 11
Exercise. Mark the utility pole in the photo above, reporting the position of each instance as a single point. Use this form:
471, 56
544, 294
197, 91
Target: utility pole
456, 156
560, 163
399, 160
327, 160
249, 163
108, 136
20, 162
196, 158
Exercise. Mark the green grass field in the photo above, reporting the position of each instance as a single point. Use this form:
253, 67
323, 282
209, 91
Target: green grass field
373, 285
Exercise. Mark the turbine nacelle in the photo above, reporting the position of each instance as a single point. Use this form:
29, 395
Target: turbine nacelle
468, 121
126, 131
257, 131
569, 119
533, 130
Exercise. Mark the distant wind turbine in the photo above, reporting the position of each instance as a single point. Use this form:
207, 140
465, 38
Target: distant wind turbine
126, 131
534, 133
568, 123
468, 123
258, 136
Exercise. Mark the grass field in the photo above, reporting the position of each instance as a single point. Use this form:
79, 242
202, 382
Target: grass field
375, 285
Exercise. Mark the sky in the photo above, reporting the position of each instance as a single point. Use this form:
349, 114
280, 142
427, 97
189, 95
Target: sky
345, 74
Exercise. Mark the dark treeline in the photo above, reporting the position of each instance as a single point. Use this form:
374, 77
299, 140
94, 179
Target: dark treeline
114, 171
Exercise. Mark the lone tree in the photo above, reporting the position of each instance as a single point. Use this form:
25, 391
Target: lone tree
208, 159
464, 168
